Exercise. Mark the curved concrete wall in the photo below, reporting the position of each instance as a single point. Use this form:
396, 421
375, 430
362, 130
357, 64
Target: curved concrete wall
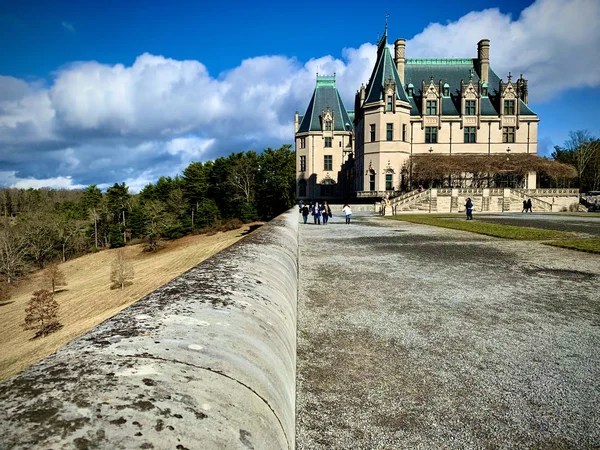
207, 361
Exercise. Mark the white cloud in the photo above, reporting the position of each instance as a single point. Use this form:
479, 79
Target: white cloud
102, 124
10, 179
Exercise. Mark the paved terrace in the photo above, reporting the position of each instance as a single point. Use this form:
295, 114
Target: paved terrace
412, 336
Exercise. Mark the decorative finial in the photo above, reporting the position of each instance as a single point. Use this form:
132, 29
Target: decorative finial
431, 78
509, 76
387, 16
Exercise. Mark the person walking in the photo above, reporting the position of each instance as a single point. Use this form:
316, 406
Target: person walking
529, 206
316, 212
326, 213
347, 212
305, 212
524, 210
469, 206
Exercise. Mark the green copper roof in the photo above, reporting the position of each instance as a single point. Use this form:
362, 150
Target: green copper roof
325, 96
439, 61
384, 70
452, 71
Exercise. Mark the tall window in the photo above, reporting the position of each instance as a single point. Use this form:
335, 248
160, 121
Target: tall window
470, 107
328, 162
508, 134
327, 142
389, 132
431, 107
302, 188
469, 135
509, 107
372, 181
388, 182
302, 142
431, 135
389, 102
372, 130
328, 125
404, 132
302, 163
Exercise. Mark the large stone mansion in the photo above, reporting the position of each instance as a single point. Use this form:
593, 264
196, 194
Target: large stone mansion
409, 107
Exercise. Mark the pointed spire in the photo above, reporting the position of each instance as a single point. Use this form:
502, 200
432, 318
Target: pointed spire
509, 76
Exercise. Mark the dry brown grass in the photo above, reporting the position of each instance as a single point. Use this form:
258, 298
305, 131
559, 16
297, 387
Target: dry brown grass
88, 300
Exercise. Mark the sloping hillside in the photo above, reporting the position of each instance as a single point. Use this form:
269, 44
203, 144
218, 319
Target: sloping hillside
87, 300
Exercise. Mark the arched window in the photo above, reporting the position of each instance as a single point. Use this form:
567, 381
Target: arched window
446, 91
410, 89
327, 187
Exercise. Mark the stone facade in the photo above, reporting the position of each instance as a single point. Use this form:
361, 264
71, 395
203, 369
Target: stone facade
410, 107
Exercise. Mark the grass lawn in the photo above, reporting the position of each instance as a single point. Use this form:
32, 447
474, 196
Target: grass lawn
87, 299
489, 229
583, 245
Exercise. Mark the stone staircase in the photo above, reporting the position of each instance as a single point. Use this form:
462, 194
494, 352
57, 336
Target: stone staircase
537, 204
413, 201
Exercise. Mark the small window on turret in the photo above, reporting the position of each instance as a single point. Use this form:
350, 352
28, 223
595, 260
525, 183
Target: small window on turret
410, 90
446, 90
484, 89
328, 125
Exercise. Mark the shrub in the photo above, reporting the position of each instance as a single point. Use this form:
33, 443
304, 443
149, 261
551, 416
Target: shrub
54, 277
41, 313
121, 273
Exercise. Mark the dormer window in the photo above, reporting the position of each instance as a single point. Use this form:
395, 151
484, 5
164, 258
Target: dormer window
509, 107
446, 91
390, 102
484, 89
410, 90
328, 125
431, 108
470, 107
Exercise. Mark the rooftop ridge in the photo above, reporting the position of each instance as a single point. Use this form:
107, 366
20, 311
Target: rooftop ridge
440, 61
325, 80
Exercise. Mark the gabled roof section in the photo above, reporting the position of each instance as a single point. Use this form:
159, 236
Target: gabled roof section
384, 70
325, 96
452, 71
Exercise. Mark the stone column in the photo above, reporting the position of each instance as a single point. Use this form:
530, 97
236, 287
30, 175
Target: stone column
506, 200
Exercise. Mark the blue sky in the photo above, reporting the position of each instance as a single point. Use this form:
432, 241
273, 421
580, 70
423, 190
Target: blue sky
130, 91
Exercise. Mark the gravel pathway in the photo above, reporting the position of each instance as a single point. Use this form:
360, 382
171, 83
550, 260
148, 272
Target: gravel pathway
419, 337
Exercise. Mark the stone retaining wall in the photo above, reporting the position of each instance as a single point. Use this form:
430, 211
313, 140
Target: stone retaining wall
206, 361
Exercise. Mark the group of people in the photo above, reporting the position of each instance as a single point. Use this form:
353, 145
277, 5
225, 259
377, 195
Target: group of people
527, 206
321, 212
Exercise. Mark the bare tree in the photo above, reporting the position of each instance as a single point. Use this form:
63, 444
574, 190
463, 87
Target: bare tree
583, 146
121, 273
54, 277
241, 178
41, 237
157, 220
13, 249
41, 314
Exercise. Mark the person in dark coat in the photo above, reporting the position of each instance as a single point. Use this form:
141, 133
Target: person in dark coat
469, 207
524, 210
529, 206
305, 212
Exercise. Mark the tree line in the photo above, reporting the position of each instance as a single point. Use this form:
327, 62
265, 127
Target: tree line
582, 151
39, 226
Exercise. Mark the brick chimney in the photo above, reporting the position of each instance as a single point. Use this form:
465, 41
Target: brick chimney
483, 55
399, 59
